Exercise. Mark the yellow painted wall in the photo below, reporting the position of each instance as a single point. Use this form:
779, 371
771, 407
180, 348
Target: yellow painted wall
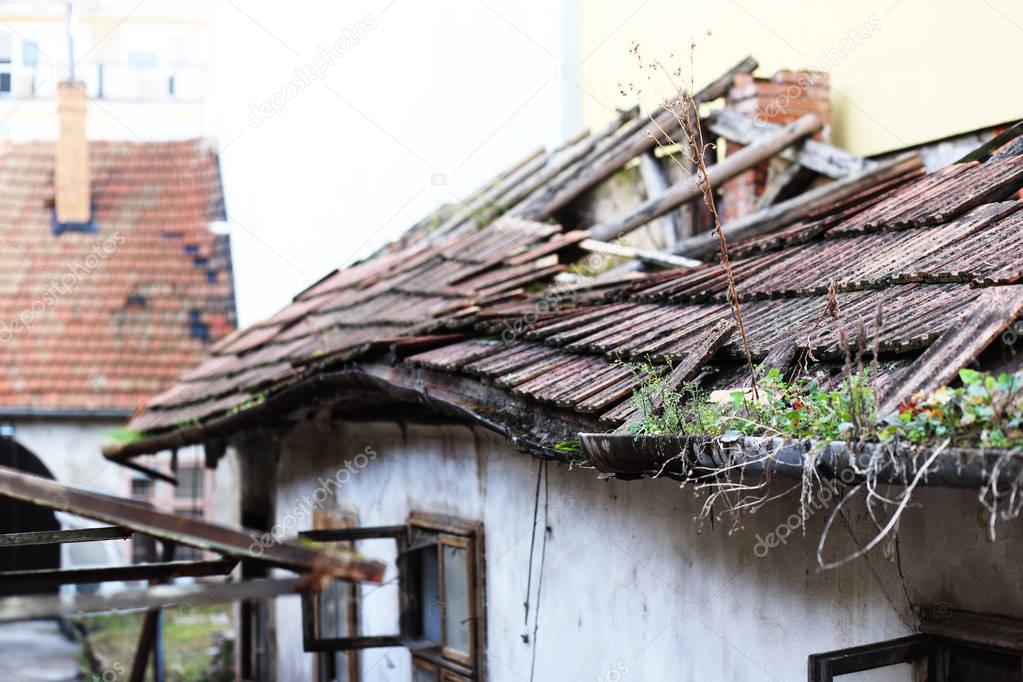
902, 71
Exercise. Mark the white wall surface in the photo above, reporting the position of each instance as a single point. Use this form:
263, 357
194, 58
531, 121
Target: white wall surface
631, 584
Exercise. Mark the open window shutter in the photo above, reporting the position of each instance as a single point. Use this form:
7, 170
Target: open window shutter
315, 636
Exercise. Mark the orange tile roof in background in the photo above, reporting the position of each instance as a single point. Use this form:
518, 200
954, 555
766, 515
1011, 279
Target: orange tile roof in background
100, 321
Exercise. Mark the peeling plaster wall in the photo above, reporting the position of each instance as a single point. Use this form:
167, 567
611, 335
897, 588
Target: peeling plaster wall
633, 588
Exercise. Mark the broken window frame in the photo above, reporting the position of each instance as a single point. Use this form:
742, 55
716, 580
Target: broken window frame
934, 651
421, 532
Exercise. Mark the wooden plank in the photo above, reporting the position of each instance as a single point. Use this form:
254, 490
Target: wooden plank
664, 123
483, 203
984, 151
149, 633
656, 183
789, 180
658, 258
155, 571
150, 472
815, 155
703, 350
797, 208
557, 165
162, 596
189, 531
993, 311
691, 189
59, 537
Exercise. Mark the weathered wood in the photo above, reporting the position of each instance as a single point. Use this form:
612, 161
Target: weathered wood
557, 164
656, 183
189, 531
150, 472
664, 260
797, 208
59, 537
664, 123
163, 596
703, 350
818, 156
691, 188
156, 571
993, 311
486, 200
149, 632
788, 180
781, 357
984, 151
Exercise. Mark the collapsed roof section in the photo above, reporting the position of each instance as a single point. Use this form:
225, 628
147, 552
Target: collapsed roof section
476, 323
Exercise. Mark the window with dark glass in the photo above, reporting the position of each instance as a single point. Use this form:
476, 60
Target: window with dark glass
190, 483
439, 569
960, 648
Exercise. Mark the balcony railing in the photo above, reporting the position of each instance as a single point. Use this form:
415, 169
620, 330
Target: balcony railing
113, 82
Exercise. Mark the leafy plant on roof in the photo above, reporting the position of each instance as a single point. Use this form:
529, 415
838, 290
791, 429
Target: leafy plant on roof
986, 411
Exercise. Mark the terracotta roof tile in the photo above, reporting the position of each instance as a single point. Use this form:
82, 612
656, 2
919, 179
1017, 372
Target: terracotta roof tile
103, 320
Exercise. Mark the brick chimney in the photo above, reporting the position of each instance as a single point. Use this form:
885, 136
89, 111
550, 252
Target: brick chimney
779, 100
71, 168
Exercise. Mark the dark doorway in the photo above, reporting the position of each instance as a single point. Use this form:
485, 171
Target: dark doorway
19, 517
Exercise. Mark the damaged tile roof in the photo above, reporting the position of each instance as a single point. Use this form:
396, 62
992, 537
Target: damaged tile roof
99, 319
916, 251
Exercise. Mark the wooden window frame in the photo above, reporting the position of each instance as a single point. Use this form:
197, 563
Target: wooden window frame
452, 665
311, 641
328, 520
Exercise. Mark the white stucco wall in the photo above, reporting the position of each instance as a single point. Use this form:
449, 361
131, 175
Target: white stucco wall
633, 588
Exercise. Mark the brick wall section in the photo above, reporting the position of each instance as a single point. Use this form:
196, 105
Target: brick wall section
780, 99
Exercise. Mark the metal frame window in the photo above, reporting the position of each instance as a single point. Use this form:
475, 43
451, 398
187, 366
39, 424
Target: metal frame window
440, 576
943, 659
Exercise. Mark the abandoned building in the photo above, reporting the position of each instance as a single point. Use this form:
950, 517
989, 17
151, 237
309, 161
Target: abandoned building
486, 423
113, 284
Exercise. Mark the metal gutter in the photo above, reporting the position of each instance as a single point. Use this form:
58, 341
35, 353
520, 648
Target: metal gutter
631, 456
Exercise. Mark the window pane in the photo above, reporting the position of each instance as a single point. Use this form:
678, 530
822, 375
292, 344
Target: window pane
968, 663
190, 479
6, 48
902, 672
429, 591
456, 594
334, 610
30, 53
421, 674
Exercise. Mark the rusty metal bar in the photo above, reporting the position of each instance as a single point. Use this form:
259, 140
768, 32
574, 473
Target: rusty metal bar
162, 596
59, 537
249, 544
153, 571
